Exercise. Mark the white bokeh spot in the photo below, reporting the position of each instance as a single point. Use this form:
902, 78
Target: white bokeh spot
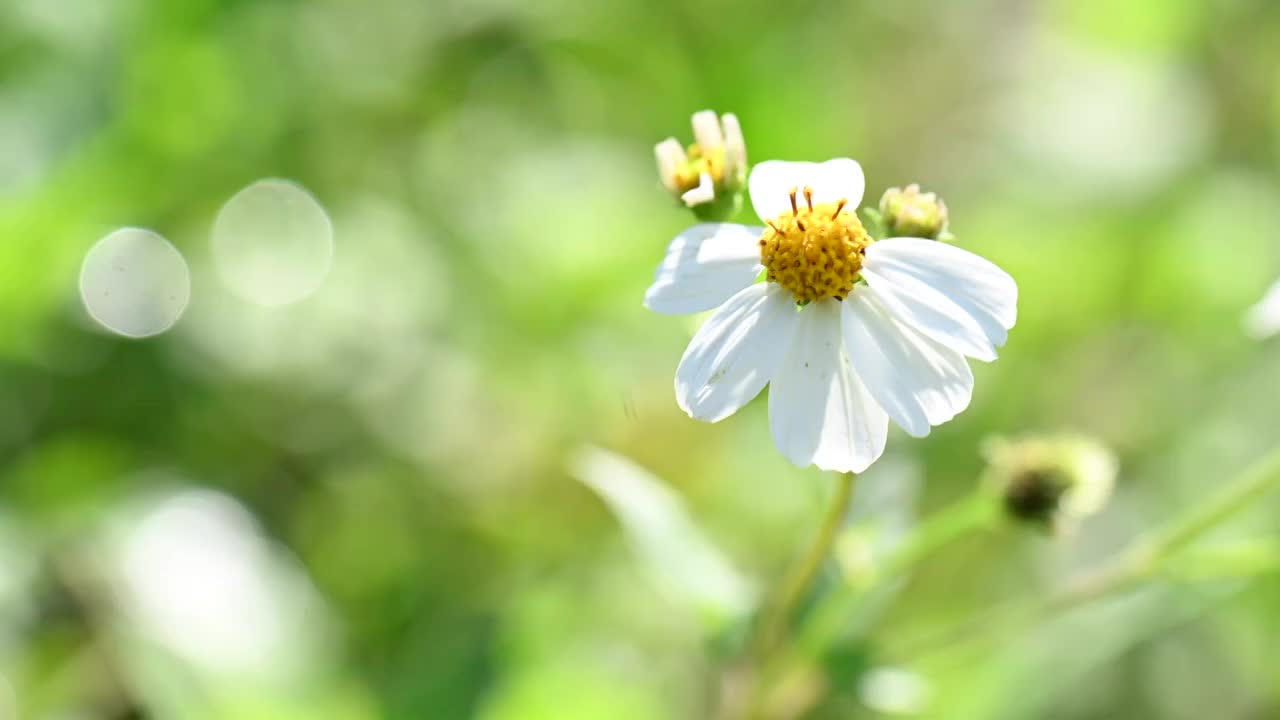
1107, 124
135, 283
1263, 320
894, 691
195, 574
273, 243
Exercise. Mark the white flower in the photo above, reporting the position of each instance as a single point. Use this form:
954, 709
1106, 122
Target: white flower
717, 161
849, 332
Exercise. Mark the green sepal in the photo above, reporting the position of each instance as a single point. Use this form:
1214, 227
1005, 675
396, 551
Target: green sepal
873, 221
722, 209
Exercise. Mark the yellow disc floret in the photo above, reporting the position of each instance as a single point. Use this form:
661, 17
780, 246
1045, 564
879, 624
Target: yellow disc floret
700, 160
815, 251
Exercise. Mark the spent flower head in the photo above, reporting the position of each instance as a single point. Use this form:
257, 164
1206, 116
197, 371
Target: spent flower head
848, 331
710, 174
1050, 481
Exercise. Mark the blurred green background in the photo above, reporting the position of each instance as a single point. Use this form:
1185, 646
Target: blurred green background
375, 502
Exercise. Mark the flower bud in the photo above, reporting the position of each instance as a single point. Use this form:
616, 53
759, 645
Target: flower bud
1050, 481
710, 174
911, 213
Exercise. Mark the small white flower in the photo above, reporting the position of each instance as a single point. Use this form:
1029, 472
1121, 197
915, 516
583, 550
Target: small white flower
715, 163
849, 332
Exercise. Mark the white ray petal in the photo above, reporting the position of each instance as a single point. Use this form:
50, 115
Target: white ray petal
736, 352
953, 296
706, 130
772, 181
704, 266
670, 156
918, 381
820, 412
735, 147
704, 193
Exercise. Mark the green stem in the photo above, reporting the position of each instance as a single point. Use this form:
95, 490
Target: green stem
830, 617
801, 576
942, 528
1146, 557
1143, 559
1259, 479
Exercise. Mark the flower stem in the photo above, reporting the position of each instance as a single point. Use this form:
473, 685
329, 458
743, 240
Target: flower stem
796, 585
942, 528
830, 618
1143, 559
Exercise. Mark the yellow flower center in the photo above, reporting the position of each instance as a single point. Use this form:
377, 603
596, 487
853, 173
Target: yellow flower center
815, 251
710, 161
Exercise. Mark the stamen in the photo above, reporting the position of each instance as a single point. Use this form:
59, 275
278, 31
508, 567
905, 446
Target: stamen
817, 254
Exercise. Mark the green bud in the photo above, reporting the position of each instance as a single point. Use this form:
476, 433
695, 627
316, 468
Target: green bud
911, 213
1050, 481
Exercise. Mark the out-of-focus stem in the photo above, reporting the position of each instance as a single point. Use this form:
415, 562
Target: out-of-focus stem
1146, 556
801, 576
69, 578
942, 528
1143, 559
829, 618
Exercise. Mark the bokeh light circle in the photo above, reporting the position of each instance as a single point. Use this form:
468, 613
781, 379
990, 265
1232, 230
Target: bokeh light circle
272, 243
135, 283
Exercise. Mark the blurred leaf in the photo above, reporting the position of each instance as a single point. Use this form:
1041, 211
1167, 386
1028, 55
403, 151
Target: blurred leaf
673, 548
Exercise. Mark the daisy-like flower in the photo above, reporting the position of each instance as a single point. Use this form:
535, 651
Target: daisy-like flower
715, 165
848, 332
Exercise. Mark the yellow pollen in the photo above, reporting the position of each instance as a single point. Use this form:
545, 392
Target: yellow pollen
700, 161
814, 251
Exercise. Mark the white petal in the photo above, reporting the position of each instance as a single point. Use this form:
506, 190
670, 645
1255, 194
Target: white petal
670, 156
820, 412
705, 265
704, 193
706, 130
955, 297
735, 147
736, 352
772, 181
919, 382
